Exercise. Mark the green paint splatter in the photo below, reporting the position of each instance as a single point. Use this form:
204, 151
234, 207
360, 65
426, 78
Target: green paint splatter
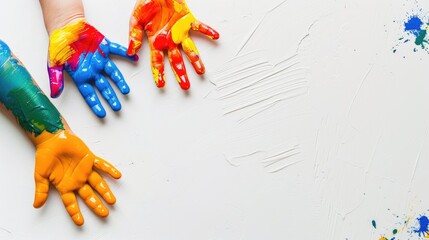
395, 231
374, 224
420, 39
415, 29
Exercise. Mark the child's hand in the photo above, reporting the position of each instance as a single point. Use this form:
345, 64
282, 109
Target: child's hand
65, 161
167, 24
84, 53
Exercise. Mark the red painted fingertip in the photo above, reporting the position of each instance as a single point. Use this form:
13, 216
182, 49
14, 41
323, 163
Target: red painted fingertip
160, 83
215, 35
184, 82
199, 67
131, 48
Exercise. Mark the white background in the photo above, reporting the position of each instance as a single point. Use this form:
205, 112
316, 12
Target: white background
305, 126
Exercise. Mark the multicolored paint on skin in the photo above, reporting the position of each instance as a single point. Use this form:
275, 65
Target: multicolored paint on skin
32, 109
62, 158
167, 24
83, 52
69, 40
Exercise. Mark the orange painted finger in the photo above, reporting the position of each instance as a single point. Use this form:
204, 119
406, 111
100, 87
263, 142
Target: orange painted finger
191, 52
206, 30
135, 37
176, 61
144, 10
106, 167
157, 63
70, 203
42, 190
101, 187
93, 201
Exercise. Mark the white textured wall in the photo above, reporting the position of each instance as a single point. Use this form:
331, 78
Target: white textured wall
305, 126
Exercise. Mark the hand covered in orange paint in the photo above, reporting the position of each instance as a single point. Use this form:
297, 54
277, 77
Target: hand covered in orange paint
167, 24
65, 161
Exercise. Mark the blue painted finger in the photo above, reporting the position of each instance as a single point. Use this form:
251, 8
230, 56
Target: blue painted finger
121, 51
88, 93
107, 91
112, 70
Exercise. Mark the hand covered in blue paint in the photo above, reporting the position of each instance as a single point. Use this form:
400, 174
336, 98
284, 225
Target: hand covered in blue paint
83, 52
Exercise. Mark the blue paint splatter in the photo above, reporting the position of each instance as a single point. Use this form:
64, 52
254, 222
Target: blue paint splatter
414, 25
415, 28
424, 226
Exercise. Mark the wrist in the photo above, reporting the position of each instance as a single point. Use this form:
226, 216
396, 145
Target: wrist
47, 136
63, 21
58, 14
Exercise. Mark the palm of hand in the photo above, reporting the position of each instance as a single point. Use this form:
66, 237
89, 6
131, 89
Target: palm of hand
84, 52
167, 24
90, 68
66, 162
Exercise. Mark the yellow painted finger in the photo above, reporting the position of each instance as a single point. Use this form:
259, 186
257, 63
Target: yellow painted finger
101, 187
42, 190
180, 29
191, 52
106, 167
70, 203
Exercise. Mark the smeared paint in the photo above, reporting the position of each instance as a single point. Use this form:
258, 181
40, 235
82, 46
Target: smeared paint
18, 92
64, 46
250, 84
423, 229
273, 160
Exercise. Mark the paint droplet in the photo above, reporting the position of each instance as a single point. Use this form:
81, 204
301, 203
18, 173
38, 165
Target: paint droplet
374, 224
395, 231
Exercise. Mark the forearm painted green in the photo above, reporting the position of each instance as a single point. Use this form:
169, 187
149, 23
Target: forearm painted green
32, 109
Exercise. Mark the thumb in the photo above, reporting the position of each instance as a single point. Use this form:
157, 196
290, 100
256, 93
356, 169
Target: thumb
135, 37
56, 79
41, 192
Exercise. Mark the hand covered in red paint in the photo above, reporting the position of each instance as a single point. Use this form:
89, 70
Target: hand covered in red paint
83, 52
65, 161
167, 24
